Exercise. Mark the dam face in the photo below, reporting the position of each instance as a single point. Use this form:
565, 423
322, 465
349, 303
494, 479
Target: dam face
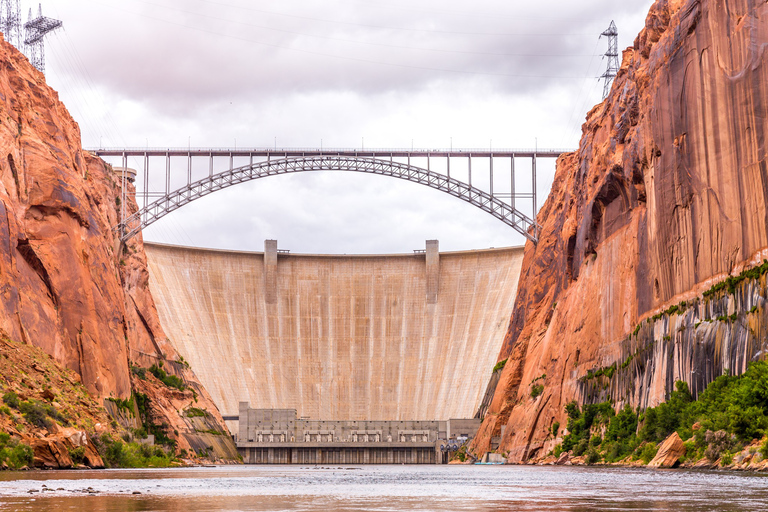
392, 337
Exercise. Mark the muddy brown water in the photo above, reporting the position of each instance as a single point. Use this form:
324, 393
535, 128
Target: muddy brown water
383, 488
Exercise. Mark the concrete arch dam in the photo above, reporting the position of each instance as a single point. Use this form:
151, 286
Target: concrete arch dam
386, 337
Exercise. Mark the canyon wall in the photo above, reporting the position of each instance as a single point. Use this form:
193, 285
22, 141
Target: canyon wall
339, 337
66, 283
666, 195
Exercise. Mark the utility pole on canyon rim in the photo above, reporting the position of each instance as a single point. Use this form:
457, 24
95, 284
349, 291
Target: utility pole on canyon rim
612, 54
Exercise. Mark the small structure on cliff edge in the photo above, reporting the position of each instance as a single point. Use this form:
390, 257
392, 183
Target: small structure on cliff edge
32, 43
612, 54
36, 29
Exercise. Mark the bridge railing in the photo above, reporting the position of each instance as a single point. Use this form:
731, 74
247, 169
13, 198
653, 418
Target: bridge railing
105, 151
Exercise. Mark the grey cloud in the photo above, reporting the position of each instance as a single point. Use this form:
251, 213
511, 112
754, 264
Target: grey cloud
168, 64
161, 83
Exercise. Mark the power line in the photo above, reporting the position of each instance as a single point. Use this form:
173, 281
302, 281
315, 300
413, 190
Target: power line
585, 90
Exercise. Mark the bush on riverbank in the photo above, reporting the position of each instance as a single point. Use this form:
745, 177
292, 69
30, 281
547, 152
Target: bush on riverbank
118, 454
13, 453
730, 413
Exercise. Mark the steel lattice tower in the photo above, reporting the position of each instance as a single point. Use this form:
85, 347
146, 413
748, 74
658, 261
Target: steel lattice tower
35, 32
613, 58
10, 22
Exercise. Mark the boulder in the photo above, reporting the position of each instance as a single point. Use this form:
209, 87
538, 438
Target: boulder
563, 459
77, 438
669, 453
51, 453
54, 451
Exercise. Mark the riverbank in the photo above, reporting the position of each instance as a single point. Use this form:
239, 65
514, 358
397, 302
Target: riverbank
748, 459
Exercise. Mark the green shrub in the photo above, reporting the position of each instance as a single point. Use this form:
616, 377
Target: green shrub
648, 452
732, 411
125, 404
555, 428
77, 455
15, 454
690, 451
733, 281
171, 381
537, 390
161, 435
12, 399
194, 412
660, 421
499, 366
593, 456
139, 372
623, 425
581, 447
118, 454
581, 422
142, 404
34, 414
764, 448
40, 414
558, 450
726, 459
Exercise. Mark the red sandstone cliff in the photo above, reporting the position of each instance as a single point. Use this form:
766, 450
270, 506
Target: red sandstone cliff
666, 194
66, 284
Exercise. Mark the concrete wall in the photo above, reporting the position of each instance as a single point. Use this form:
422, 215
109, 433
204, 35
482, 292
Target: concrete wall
346, 337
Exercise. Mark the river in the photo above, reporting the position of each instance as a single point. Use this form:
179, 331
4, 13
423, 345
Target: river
383, 488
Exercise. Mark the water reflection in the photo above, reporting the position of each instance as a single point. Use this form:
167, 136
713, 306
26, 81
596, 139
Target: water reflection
384, 488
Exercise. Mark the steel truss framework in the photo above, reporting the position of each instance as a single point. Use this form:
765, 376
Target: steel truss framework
157, 202
161, 207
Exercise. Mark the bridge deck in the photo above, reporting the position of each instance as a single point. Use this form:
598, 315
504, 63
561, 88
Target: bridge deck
298, 152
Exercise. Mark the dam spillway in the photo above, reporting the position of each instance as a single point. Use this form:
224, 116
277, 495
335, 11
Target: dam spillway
336, 337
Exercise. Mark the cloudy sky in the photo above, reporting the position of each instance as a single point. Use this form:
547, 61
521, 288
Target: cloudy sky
341, 73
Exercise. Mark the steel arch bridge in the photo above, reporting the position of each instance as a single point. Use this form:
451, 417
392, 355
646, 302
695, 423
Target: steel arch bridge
201, 188
159, 203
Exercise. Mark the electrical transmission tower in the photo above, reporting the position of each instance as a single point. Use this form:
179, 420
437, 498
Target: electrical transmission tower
10, 22
613, 58
35, 31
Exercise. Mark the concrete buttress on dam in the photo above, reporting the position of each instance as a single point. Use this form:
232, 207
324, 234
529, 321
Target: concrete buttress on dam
337, 337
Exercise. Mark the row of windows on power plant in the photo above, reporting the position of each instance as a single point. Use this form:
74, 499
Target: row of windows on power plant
284, 426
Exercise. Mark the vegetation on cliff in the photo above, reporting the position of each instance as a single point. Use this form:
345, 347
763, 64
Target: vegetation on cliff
49, 419
731, 413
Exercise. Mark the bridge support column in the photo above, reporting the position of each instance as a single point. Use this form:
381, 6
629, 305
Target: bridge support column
270, 271
433, 271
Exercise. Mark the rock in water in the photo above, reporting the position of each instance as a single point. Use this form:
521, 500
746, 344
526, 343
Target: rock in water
669, 453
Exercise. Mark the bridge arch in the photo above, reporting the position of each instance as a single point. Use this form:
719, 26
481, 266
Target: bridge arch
161, 207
